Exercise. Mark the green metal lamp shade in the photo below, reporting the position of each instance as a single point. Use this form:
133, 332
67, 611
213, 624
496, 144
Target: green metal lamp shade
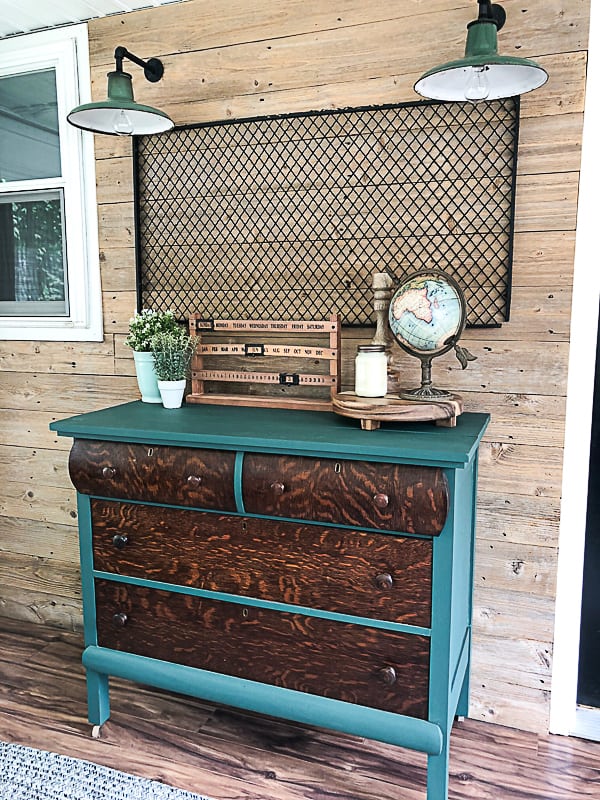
482, 74
120, 115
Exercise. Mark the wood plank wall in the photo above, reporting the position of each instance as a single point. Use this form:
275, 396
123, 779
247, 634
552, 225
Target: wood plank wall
238, 59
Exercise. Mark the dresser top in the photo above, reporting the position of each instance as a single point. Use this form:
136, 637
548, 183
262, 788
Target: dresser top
279, 431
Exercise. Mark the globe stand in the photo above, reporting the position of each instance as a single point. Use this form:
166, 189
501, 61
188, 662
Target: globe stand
426, 392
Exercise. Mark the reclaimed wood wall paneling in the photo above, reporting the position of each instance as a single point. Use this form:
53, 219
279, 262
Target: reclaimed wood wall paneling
304, 55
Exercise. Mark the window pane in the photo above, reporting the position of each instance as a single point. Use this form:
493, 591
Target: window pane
32, 254
29, 140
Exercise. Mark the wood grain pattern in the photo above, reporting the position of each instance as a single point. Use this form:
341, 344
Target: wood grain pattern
23, 462
42, 539
179, 475
373, 411
21, 575
552, 143
414, 499
23, 500
546, 202
234, 754
307, 565
75, 358
32, 430
331, 55
521, 378
307, 654
63, 393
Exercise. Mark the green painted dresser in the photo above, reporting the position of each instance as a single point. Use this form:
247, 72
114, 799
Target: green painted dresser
281, 561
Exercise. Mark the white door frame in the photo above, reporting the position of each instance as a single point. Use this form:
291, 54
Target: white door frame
564, 715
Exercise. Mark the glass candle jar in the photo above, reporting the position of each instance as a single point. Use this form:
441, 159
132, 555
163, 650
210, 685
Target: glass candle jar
370, 371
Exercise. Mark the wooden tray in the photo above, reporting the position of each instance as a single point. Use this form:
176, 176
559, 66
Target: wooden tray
372, 411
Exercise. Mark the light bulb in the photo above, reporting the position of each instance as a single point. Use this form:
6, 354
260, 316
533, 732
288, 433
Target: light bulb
123, 125
478, 85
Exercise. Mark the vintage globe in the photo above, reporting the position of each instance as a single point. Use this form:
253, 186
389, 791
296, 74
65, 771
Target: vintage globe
427, 317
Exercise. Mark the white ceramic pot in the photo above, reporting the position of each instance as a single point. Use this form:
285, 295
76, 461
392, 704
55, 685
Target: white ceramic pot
146, 376
172, 393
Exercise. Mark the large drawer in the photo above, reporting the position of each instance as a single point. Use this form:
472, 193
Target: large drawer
394, 497
373, 667
178, 475
364, 574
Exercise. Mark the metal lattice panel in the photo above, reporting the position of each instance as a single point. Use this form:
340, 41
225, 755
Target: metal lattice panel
288, 217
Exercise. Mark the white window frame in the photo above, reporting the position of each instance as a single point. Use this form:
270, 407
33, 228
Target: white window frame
66, 51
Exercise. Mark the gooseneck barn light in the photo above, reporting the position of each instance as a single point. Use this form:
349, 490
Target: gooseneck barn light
482, 74
120, 115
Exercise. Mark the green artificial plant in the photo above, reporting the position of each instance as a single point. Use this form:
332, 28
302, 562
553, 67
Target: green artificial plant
173, 351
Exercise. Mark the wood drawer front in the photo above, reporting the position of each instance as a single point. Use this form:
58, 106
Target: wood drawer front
387, 496
309, 654
371, 575
179, 475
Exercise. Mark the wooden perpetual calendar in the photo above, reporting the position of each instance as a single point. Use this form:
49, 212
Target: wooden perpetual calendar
295, 357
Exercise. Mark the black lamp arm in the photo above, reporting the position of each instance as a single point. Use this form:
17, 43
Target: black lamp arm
153, 67
491, 12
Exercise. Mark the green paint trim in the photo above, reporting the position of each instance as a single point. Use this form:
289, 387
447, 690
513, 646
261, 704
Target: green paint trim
382, 726
237, 482
462, 662
87, 565
296, 520
400, 627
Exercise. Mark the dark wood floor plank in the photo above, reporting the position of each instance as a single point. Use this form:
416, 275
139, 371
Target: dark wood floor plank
235, 755
567, 753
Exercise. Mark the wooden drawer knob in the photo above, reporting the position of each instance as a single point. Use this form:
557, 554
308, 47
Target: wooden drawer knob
120, 620
278, 487
384, 581
388, 675
119, 540
381, 500
194, 481
108, 472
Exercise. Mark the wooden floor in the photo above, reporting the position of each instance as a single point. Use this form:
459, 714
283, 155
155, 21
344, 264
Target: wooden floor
232, 755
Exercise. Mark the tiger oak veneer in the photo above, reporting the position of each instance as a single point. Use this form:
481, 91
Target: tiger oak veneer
281, 561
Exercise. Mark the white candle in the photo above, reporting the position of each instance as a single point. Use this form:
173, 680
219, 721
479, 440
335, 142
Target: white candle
370, 371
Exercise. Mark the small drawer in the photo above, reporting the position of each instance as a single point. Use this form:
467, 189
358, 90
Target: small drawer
178, 475
369, 666
393, 497
369, 575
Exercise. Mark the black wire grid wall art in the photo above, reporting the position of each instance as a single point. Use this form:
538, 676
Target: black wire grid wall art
288, 217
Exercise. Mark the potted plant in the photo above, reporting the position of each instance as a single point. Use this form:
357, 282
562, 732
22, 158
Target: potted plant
142, 327
173, 353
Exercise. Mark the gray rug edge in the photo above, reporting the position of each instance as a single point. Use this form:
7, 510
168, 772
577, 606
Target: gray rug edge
27, 773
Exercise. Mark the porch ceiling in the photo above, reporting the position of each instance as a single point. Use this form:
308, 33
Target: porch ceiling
24, 16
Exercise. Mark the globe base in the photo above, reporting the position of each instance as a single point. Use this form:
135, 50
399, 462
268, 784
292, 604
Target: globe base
426, 394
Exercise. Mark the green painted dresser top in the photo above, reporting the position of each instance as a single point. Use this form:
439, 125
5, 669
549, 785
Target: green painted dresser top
279, 431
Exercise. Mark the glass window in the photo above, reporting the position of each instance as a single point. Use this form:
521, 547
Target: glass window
32, 254
49, 266
29, 136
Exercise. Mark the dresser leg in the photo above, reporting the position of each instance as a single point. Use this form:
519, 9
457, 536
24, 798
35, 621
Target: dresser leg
462, 707
437, 773
98, 700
